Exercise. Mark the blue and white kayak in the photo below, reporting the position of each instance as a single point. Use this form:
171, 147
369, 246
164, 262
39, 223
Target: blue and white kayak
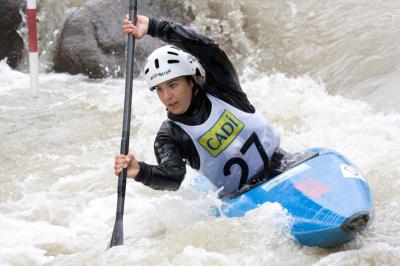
326, 195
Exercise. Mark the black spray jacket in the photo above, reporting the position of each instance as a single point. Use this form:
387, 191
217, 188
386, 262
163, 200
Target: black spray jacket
173, 147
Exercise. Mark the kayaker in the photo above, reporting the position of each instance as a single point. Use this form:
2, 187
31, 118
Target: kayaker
211, 124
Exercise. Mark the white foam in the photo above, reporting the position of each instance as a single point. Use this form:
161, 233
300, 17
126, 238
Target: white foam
62, 207
11, 79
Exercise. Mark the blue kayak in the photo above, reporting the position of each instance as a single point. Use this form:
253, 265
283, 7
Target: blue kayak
326, 195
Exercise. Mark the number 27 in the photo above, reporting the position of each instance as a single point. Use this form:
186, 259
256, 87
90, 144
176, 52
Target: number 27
242, 163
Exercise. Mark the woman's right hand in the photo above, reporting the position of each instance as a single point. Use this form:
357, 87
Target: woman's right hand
126, 161
138, 31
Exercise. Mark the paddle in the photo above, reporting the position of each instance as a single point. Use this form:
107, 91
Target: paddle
118, 233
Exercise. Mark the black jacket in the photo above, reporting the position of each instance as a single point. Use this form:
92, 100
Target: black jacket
173, 147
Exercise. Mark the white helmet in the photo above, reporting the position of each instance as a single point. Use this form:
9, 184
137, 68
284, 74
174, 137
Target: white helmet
168, 62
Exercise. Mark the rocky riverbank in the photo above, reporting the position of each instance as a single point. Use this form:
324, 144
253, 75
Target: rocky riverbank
90, 40
11, 43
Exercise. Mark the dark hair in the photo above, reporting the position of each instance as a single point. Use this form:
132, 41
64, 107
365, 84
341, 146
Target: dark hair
190, 78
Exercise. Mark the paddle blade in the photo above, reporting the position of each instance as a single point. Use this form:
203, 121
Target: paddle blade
117, 238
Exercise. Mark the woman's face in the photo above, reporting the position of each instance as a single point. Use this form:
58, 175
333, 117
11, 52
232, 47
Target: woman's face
175, 94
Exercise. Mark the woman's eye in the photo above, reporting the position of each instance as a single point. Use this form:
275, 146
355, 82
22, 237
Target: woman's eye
173, 85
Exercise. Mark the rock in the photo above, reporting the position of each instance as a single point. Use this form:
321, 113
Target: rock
11, 44
91, 41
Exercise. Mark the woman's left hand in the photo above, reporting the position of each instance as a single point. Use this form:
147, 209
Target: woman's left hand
138, 31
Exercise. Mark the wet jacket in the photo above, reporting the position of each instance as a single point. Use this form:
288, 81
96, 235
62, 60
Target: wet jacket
173, 147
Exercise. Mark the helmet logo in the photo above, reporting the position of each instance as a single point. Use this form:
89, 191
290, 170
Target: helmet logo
160, 74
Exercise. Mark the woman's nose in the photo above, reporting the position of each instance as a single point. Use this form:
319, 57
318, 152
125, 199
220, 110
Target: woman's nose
168, 93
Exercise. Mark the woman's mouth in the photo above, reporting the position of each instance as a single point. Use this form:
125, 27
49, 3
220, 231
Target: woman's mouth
172, 105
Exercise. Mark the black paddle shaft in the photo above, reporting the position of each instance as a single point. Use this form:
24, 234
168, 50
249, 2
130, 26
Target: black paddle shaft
118, 233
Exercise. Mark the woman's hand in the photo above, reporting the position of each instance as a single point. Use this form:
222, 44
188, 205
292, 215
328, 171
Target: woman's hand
129, 161
138, 31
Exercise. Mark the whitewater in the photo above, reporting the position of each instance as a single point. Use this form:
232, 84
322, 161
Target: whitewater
58, 190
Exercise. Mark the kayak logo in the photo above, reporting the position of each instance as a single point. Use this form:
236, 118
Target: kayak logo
221, 135
349, 171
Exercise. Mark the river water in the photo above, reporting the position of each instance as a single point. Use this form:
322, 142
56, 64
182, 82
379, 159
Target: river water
323, 72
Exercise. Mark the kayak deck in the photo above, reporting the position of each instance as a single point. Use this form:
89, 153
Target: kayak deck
325, 193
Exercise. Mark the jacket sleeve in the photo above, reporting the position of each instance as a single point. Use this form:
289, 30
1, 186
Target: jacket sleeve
221, 78
172, 148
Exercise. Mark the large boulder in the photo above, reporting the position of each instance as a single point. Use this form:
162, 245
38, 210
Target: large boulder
11, 44
91, 41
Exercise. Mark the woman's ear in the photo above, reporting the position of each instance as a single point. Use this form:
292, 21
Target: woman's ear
191, 82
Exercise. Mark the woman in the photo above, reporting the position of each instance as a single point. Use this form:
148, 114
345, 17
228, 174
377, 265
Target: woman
211, 124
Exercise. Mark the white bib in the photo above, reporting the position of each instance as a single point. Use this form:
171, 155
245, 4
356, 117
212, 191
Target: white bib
232, 145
